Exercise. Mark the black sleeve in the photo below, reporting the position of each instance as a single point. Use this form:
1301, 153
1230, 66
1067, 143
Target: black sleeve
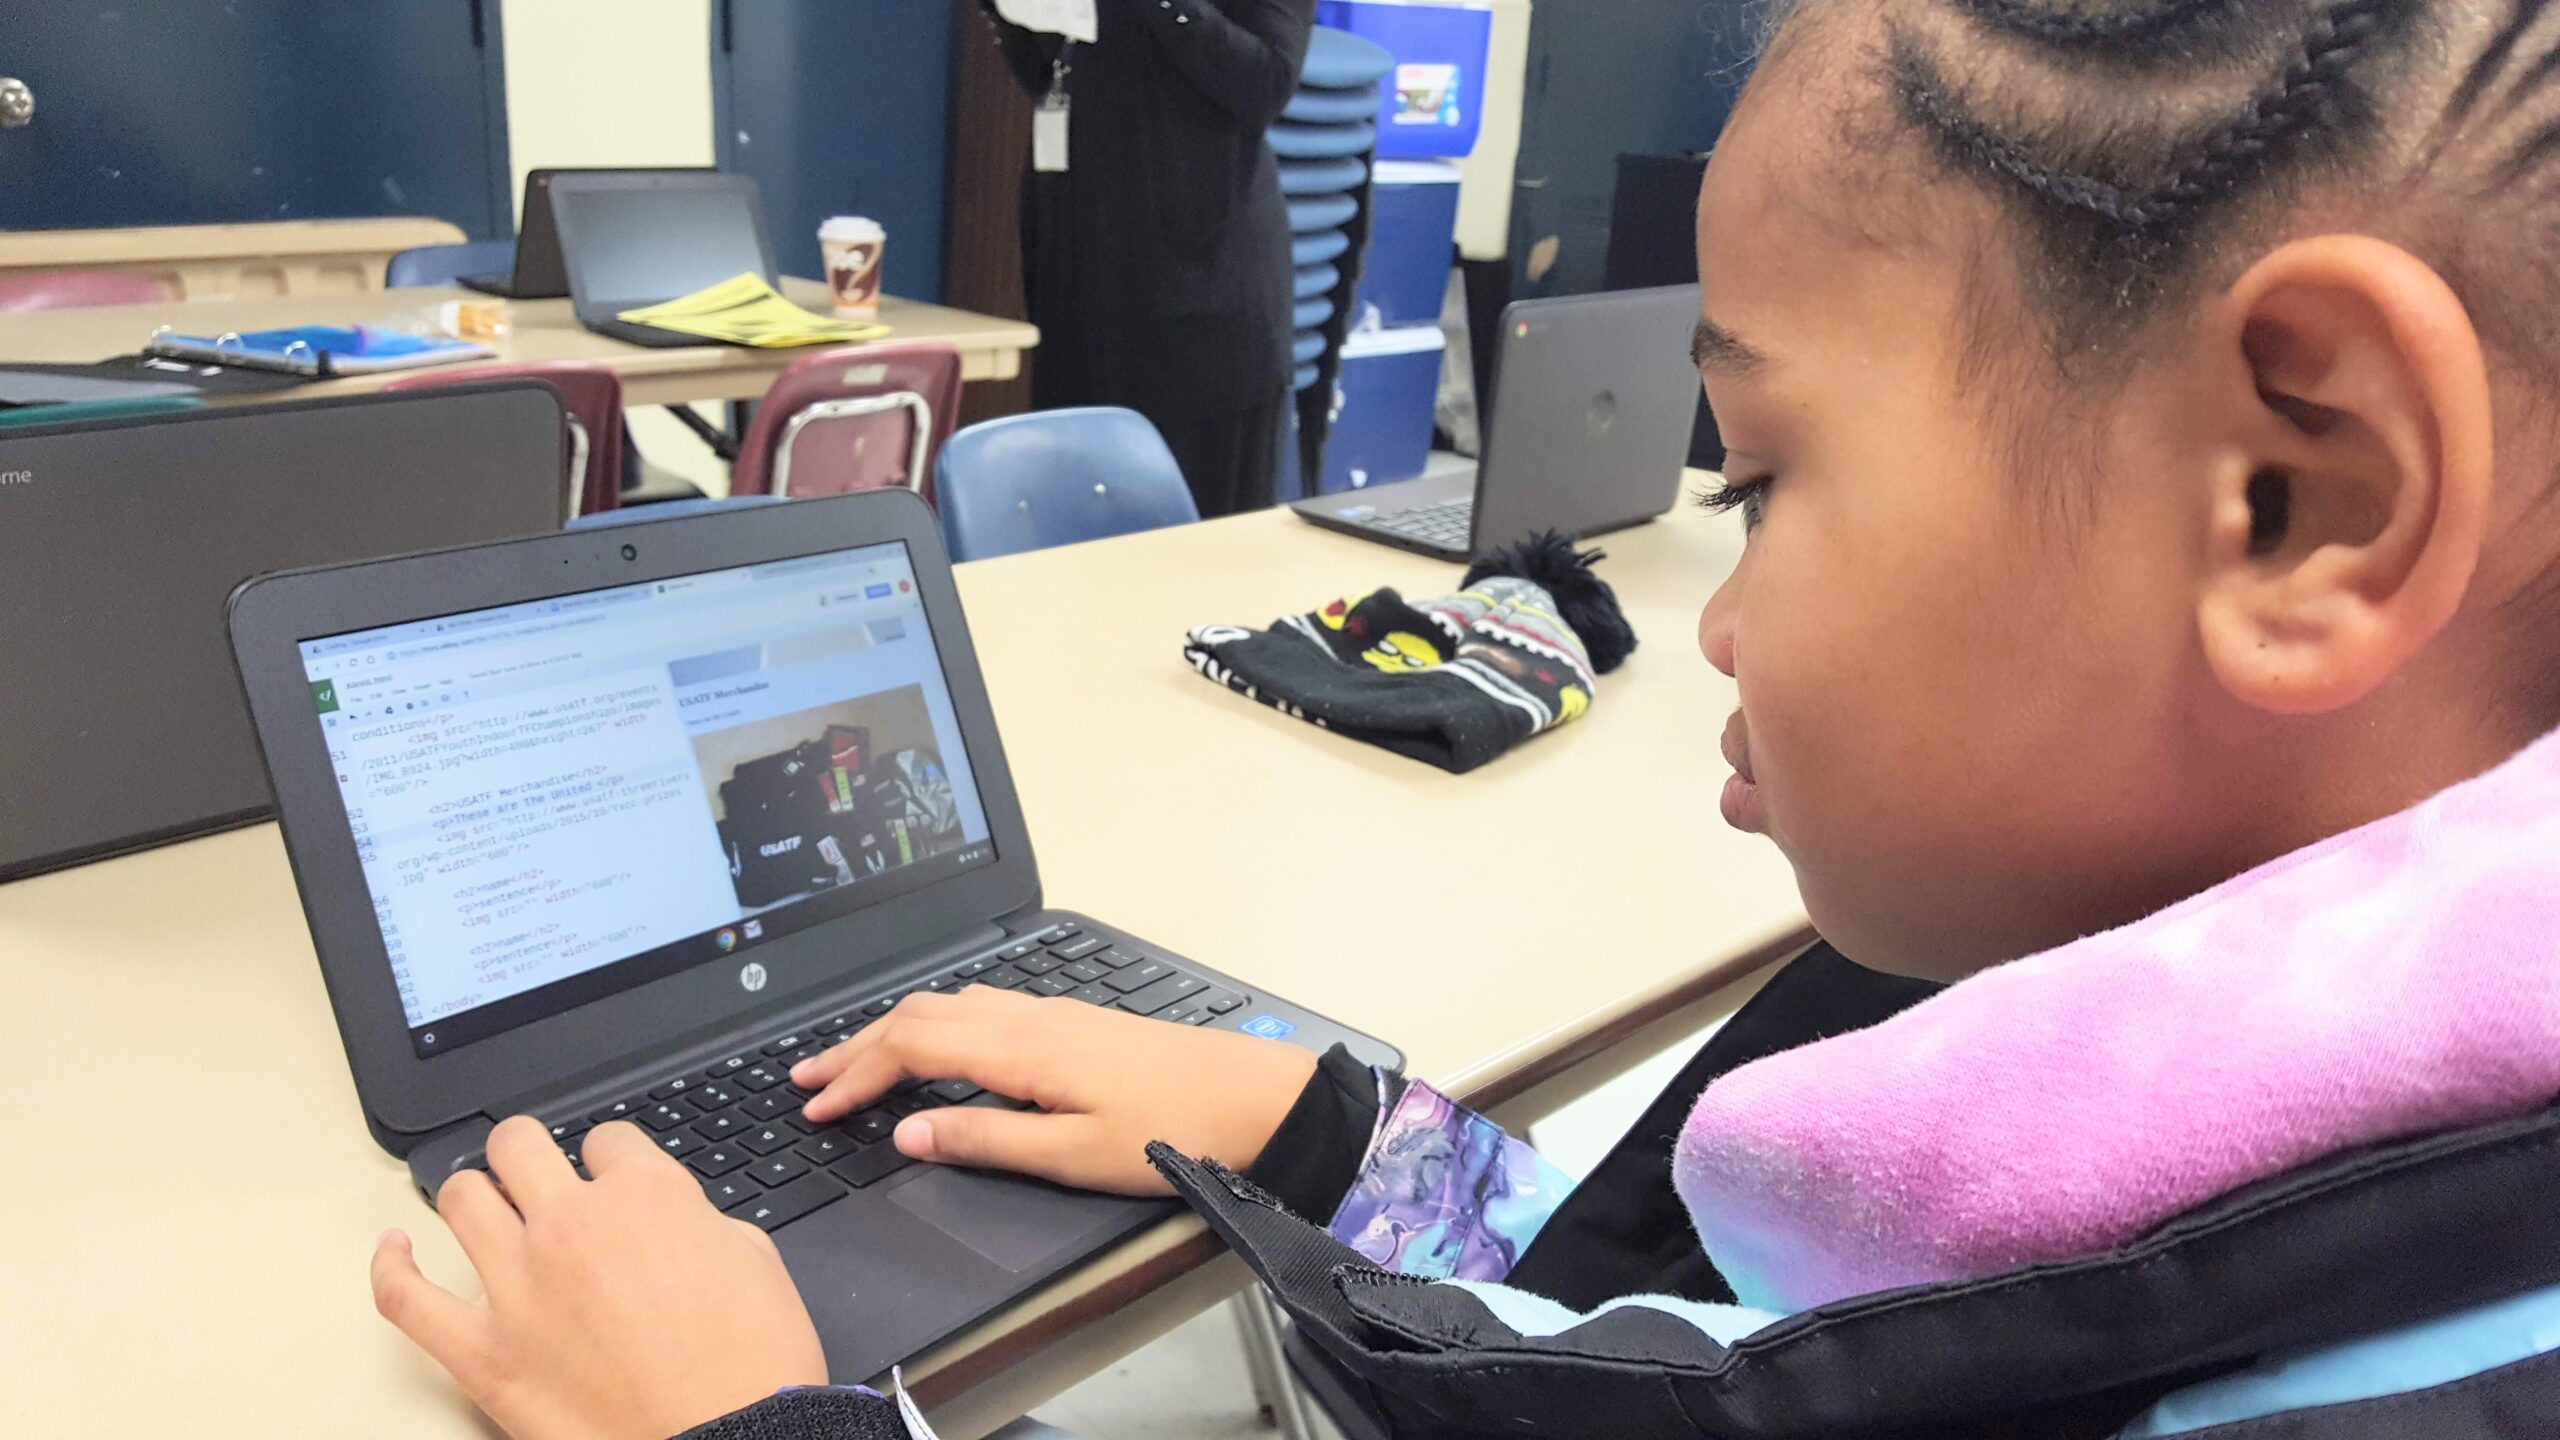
1243, 54
818, 1413
1316, 1153
1029, 54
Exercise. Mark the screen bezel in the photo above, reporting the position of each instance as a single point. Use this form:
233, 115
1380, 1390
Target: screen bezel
712, 183
272, 616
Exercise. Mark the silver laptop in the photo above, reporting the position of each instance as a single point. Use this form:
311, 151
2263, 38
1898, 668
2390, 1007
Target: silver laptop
1593, 404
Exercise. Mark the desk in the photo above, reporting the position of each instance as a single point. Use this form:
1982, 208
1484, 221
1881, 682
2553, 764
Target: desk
187, 1230
990, 349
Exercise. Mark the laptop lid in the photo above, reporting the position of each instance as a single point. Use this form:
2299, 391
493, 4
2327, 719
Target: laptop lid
120, 540
539, 273
559, 806
1594, 400
640, 238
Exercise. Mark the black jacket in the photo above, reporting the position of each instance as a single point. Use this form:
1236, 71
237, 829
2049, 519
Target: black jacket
1158, 265
2358, 1244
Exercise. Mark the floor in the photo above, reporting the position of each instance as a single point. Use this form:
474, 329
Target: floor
1192, 1385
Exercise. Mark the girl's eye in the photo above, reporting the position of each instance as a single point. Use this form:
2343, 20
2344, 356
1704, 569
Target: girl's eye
1750, 496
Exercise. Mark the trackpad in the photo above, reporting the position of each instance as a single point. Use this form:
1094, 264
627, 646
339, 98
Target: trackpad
1014, 1222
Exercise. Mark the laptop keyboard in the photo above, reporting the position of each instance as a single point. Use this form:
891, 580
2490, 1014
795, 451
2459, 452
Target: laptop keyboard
1449, 524
737, 1124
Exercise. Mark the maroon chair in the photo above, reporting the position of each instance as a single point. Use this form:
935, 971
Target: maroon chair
592, 396
860, 418
25, 291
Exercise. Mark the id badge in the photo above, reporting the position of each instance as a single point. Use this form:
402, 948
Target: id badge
1049, 135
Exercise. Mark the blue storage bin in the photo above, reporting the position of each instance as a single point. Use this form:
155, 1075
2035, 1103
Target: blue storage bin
1432, 103
1384, 401
1413, 215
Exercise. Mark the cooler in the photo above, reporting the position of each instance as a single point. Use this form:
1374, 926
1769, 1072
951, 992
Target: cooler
1433, 101
1413, 218
1384, 401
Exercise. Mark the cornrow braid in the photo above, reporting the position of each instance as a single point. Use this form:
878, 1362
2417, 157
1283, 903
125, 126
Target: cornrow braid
2152, 23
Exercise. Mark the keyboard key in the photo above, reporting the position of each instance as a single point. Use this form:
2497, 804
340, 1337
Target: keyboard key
716, 1160
682, 1145
787, 1042
840, 1024
881, 1006
871, 1165
711, 1096
1102, 995
767, 1139
792, 1201
798, 1122
674, 1088
1181, 1012
1220, 1002
868, 1126
1163, 993
805, 1052
975, 968
759, 1077
779, 1169
1200, 1017
1139, 976
727, 1068
903, 1106
771, 1105
953, 1092
618, 1110
1048, 985
826, 1148
1003, 977
568, 1130
1056, 933
734, 1191
664, 1117
1119, 957
1037, 964
944, 982
722, 1126
1084, 972
1091, 944
1016, 952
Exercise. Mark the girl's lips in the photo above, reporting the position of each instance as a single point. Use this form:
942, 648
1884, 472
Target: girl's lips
1741, 799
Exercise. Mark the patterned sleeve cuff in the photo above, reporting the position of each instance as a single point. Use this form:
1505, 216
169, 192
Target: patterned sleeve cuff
1444, 1193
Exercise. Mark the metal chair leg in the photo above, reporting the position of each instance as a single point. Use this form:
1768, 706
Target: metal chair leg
1284, 1405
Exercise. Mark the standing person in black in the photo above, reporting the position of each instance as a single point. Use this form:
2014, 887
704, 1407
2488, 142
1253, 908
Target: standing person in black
1157, 263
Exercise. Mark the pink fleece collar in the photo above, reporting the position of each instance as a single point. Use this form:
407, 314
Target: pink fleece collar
2399, 978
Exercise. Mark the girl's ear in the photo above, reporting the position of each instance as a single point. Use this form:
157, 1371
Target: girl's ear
2350, 507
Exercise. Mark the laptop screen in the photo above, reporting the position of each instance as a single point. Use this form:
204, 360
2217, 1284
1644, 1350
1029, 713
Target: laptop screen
558, 800
649, 243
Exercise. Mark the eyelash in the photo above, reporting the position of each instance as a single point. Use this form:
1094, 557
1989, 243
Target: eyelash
1751, 497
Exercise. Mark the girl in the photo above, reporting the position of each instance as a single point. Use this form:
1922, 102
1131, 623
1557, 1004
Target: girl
2145, 419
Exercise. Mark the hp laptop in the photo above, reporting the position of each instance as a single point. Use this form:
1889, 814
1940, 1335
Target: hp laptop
538, 273
120, 720
1592, 410
626, 822
638, 238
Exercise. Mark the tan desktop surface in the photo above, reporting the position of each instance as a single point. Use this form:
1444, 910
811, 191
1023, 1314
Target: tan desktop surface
990, 348
195, 1194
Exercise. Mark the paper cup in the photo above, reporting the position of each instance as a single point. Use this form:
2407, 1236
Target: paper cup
852, 248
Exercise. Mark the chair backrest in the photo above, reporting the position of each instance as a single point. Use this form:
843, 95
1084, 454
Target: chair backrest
1057, 477
592, 396
863, 417
83, 411
444, 264
22, 292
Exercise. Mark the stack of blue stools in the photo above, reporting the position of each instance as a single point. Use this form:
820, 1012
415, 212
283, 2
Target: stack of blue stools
1325, 139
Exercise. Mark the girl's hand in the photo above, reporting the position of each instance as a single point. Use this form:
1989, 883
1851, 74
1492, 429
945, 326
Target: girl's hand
622, 1308
1108, 1081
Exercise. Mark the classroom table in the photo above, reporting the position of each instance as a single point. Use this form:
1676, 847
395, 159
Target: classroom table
194, 1194
990, 348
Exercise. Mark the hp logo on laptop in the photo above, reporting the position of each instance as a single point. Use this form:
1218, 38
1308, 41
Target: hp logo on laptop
752, 977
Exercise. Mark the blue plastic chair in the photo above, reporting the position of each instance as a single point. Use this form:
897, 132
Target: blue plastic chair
1058, 477
444, 264
668, 510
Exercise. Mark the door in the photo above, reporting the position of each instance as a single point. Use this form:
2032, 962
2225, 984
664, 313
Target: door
189, 112
1659, 78
838, 109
